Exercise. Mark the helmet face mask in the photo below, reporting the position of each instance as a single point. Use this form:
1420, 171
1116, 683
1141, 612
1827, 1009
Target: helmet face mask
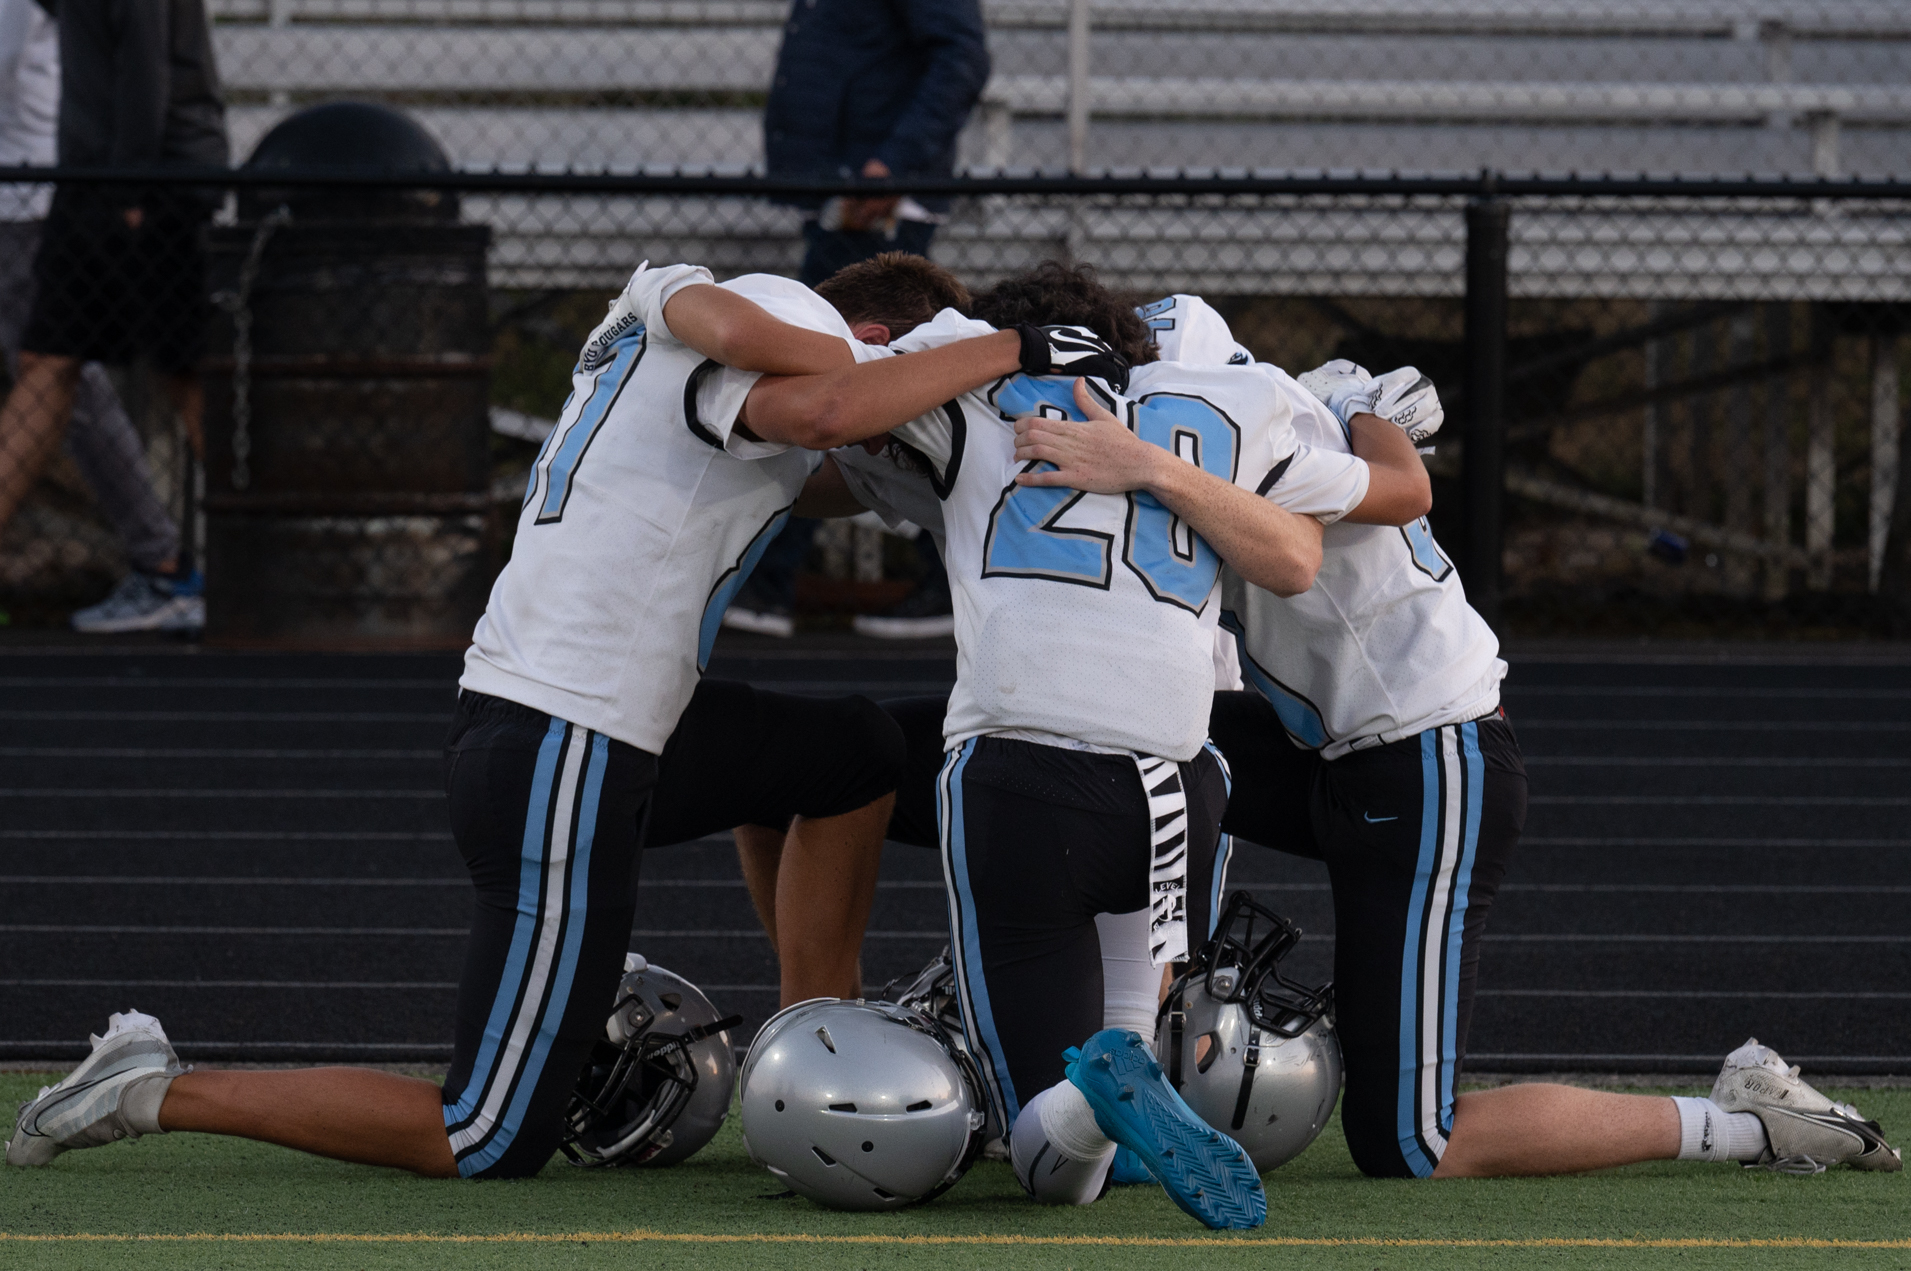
657, 1088
1251, 1050
1243, 965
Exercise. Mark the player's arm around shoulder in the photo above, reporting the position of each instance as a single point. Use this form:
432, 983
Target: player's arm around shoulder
1386, 418
855, 403
1265, 544
739, 333
1399, 491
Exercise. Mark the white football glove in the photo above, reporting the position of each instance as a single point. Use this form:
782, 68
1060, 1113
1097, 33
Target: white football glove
1347, 389
1408, 401
1404, 398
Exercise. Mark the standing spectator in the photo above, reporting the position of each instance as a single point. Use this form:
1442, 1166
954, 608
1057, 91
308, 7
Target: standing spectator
878, 88
119, 272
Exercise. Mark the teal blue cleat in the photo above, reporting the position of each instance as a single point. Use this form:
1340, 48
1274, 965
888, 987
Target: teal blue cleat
1203, 1171
1128, 1169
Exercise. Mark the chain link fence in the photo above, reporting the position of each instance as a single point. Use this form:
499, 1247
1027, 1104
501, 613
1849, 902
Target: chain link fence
1694, 395
1699, 387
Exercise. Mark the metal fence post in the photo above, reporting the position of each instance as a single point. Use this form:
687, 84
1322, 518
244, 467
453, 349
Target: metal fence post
1884, 449
1483, 466
1078, 104
1821, 471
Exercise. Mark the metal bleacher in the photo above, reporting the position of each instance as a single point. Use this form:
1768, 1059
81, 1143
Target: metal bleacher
1795, 87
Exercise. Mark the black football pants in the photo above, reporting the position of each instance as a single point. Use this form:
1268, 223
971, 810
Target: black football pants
550, 818
1416, 837
1036, 841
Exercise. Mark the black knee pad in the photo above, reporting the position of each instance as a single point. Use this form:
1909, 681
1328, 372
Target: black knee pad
867, 739
920, 719
831, 756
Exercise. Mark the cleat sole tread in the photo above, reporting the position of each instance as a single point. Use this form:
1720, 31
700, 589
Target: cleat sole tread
1202, 1170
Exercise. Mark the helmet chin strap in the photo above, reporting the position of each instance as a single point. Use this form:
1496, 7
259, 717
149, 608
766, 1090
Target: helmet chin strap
1250, 1060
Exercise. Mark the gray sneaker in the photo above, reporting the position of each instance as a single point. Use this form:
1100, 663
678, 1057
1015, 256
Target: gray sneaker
756, 613
147, 602
90, 1108
924, 614
1807, 1131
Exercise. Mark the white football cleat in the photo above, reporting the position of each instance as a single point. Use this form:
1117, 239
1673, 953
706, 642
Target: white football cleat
133, 1063
1806, 1131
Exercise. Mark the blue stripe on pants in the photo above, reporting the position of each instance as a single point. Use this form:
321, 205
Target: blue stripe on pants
530, 893
977, 1014
1456, 926
1410, 970
1223, 849
576, 914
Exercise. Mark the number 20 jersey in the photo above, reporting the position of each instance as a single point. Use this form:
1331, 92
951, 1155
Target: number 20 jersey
1088, 617
645, 512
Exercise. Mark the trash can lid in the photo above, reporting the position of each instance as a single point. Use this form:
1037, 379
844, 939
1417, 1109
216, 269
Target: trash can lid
350, 136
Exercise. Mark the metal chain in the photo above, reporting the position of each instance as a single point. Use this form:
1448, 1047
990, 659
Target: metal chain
238, 304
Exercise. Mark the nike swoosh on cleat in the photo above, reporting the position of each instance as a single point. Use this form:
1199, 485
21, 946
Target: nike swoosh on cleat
1376, 820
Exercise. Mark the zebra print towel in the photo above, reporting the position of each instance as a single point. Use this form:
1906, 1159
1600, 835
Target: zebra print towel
1168, 868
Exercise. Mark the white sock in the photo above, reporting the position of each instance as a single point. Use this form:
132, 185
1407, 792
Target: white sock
1130, 981
1060, 1155
139, 1101
1708, 1132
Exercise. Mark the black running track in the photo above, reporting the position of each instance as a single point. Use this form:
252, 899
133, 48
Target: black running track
253, 848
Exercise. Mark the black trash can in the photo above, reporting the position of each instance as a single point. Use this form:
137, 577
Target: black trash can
347, 402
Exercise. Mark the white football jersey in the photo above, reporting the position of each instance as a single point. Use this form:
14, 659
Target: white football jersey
645, 512
1384, 644
900, 497
1086, 618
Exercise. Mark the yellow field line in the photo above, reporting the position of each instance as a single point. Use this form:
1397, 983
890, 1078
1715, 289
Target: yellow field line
1143, 1242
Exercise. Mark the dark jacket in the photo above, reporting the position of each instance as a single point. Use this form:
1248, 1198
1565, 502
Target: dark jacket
137, 85
888, 79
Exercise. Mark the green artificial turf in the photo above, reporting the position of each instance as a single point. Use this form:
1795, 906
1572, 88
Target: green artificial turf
193, 1184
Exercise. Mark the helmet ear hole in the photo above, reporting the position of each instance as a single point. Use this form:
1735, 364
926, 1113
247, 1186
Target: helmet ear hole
1207, 1049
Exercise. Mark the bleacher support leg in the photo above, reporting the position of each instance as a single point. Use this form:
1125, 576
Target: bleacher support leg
1483, 466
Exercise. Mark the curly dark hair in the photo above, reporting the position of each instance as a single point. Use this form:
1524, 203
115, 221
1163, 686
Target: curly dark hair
1054, 294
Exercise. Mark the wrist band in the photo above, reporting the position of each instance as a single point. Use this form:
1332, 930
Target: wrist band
1036, 357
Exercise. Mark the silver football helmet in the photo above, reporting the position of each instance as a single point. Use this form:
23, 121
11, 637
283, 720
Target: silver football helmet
657, 1088
1252, 1051
861, 1105
932, 991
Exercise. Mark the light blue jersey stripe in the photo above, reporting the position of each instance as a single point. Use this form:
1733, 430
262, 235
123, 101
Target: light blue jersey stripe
530, 893
577, 909
1409, 1130
578, 437
731, 583
1300, 717
1456, 926
980, 1017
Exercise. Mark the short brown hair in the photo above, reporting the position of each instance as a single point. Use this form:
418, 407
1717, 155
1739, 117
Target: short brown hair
896, 289
1054, 294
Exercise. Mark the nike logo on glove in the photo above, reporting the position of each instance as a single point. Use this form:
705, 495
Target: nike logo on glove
1376, 820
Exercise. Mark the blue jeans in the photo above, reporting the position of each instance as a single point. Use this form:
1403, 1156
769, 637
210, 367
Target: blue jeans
832, 249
